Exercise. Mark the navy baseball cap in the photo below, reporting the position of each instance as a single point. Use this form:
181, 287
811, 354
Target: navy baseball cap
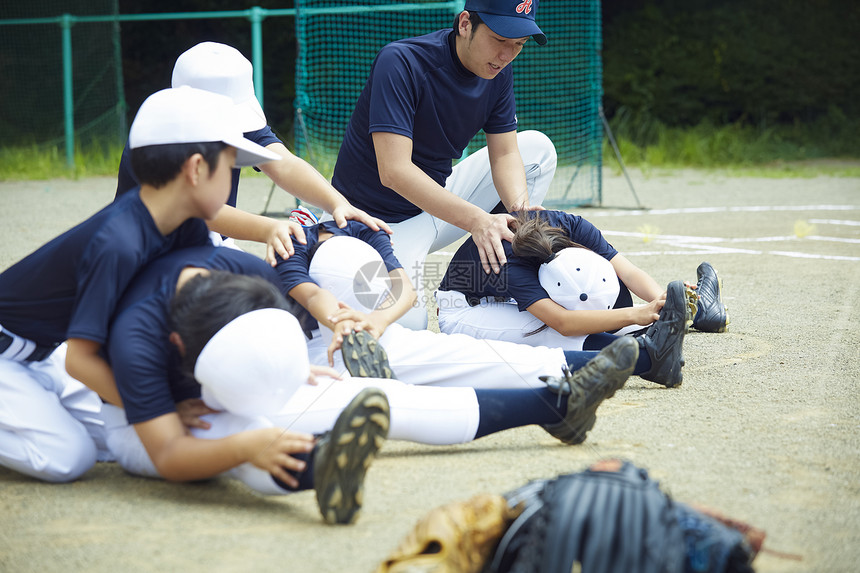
509, 18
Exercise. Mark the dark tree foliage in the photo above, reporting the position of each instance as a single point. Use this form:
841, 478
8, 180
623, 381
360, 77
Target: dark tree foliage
149, 49
679, 62
759, 62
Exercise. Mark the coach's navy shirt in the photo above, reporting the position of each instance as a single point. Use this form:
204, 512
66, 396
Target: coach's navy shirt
147, 367
419, 89
127, 180
518, 278
69, 287
295, 270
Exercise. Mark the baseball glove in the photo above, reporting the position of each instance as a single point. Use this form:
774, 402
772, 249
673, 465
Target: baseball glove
606, 521
455, 538
614, 518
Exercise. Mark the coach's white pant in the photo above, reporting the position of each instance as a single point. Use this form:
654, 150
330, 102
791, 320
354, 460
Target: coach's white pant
472, 181
420, 414
498, 321
51, 425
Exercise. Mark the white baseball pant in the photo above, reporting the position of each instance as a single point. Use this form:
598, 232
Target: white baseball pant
51, 425
472, 181
491, 320
437, 416
437, 359
498, 321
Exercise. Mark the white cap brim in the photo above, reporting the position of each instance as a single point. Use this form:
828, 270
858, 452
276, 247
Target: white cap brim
250, 115
249, 153
191, 115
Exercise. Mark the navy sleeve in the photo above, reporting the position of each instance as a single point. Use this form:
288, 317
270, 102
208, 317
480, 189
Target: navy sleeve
380, 241
105, 270
521, 282
392, 101
503, 117
294, 271
583, 232
140, 357
264, 136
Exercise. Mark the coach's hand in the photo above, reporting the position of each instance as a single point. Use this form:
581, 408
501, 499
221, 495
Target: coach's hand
488, 235
269, 449
344, 212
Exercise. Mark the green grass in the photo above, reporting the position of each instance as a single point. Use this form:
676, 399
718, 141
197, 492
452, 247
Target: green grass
830, 146
34, 162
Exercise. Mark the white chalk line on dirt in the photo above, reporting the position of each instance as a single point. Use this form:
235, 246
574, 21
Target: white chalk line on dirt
694, 245
685, 239
835, 222
727, 209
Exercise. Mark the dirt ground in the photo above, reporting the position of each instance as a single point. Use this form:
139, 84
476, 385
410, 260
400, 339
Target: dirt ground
765, 427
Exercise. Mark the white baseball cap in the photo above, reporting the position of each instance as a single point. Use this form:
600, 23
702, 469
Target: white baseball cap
353, 271
190, 115
254, 364
580, 279
224, 70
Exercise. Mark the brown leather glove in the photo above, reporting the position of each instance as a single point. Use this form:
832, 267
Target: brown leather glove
455, 538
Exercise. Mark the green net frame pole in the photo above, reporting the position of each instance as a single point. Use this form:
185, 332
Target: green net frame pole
256, 16
66, 23
122, 105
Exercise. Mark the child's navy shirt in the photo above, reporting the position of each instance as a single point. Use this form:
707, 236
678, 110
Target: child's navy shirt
69, 287
518, 278
295, 270
146, 366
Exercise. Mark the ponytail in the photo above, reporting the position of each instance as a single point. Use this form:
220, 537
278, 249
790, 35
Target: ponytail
536, 239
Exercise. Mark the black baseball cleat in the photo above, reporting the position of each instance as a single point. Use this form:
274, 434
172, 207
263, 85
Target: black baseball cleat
664, 339
711, 314
589, 386
343, 455
364, 357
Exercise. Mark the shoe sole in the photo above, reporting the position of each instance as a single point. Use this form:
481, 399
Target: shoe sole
364, 357
607, 390
341, 463
622, 363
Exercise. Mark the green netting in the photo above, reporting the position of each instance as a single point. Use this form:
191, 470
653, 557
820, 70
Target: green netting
31, 68
558, 86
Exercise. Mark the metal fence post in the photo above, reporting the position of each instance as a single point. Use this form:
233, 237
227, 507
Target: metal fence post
257, 15
66, 23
